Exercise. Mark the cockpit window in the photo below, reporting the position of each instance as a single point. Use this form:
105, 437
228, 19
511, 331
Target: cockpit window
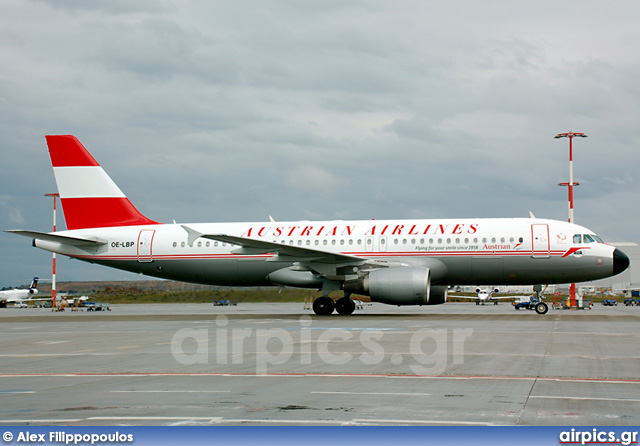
597, 239
577, 238
588, 239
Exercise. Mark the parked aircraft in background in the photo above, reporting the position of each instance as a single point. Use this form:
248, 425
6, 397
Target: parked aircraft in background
485, 295
19, 295
396, 262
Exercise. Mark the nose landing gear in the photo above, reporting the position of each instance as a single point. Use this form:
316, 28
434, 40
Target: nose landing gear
540, 306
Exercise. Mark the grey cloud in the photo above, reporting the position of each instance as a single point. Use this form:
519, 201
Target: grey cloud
231, 111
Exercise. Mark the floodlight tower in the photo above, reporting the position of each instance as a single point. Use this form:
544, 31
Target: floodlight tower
570, 185
53, 275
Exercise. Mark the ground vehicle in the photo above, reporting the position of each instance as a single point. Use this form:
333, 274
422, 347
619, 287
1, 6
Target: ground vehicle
534, 303
610, 302
224, 303
97, 306
528, 304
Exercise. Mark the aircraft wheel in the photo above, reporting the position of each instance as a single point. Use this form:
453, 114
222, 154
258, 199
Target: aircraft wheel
477, 302
323, 306
345, 305
495, 302
541, 308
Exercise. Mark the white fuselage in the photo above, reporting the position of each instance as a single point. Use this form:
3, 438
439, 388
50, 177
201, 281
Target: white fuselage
457, 251
16, 295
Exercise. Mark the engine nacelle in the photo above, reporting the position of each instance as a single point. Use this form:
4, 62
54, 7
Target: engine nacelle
438, 295
495, 290
399, 286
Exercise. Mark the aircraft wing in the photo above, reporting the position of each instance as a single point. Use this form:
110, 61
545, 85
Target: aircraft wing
463, 297
288, 253
505, 297
52, 237
477, 298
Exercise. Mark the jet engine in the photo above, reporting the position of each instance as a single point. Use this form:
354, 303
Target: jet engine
399, 286
438, 295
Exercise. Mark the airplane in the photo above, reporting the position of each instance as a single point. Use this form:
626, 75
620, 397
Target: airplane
395, 262
17, 295
484, 295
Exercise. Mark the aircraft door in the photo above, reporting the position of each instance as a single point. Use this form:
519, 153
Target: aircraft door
145, 241
541, 247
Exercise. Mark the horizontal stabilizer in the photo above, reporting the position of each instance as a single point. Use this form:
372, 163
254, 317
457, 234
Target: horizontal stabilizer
64, 239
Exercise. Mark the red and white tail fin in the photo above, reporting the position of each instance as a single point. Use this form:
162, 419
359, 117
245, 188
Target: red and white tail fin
90, 198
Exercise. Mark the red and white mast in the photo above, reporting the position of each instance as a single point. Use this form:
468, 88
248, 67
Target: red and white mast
571, 184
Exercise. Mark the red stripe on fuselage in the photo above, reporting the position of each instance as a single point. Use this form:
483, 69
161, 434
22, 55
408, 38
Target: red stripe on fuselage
81, 213
66, 150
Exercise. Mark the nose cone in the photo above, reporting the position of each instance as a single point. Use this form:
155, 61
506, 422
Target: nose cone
620, 261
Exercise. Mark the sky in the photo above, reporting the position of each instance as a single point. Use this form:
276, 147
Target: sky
205, 111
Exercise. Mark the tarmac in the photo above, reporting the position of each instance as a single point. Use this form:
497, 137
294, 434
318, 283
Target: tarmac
279, 364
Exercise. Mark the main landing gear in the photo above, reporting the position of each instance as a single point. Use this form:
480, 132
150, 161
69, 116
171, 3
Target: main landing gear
324, 305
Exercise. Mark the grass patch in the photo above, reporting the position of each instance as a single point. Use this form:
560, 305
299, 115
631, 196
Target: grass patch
129, 296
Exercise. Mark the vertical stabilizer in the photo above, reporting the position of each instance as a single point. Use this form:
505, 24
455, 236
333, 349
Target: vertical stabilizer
90, 198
